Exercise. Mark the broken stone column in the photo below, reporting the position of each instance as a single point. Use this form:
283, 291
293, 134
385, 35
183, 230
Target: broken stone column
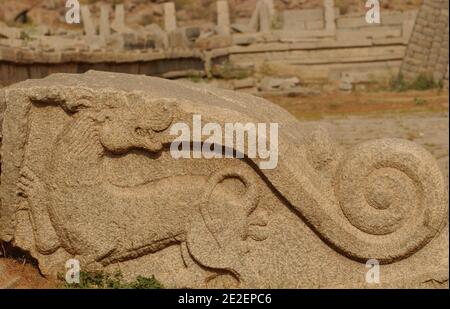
262, 17
330, 17
105, 30
170, 19
88, 22
271, 5
223, 17
118, 24
265, 19
90, 170
254, 20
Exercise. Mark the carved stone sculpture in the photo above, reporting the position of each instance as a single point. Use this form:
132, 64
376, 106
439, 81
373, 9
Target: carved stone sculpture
87, 174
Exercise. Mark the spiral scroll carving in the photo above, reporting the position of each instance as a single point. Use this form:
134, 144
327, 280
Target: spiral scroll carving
392, 195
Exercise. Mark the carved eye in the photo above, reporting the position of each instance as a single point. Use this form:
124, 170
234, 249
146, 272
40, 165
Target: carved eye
162, 117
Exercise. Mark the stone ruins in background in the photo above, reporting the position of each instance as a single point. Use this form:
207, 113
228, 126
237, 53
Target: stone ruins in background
320, 46
428, 47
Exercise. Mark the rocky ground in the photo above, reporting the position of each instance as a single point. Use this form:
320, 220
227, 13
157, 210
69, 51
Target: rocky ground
422, 117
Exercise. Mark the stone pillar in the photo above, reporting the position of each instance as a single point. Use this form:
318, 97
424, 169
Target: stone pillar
105, 30
118, 24
223, 17
88, 23
265, 20
263, 16
254, 21
170, 19
330, 16
271, 5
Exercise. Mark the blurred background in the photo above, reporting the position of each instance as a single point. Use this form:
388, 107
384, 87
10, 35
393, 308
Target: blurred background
189, 12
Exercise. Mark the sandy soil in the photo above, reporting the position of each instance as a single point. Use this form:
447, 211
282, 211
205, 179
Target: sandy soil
18, 271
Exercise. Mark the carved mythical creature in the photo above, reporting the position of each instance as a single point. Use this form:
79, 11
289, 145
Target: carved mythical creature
87, 210
384, 199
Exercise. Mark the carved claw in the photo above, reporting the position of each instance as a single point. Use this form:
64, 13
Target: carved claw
27, 183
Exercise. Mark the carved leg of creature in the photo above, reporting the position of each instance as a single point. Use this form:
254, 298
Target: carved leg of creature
32, 188
218, 233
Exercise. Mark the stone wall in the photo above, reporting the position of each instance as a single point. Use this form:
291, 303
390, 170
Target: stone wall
428, 47
321, 55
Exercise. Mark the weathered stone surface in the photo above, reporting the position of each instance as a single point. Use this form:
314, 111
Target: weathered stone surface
213, 42
369, 32
329, 15
87, 174
244, 39
240, 28
244, 83
294, 20
9, 32
269, 83
315, 25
